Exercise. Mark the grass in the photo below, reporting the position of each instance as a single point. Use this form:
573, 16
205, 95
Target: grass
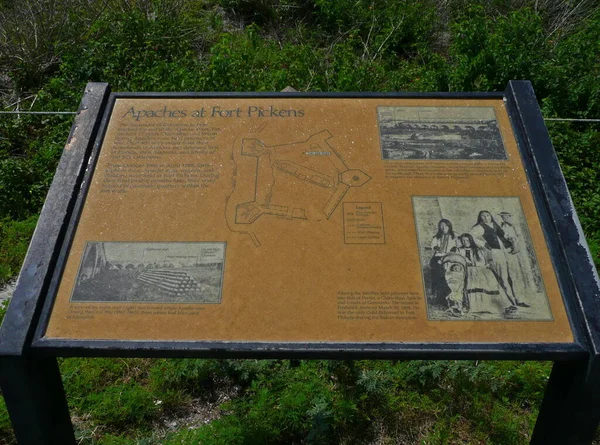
280, 401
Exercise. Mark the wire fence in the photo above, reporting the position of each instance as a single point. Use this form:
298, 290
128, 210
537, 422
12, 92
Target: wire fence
570, 120
554, 119
38, 112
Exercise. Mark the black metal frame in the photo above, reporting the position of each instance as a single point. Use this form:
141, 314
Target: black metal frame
573, 395
31, 385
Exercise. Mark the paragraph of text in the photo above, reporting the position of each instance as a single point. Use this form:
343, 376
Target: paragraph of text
374, 305
443, 170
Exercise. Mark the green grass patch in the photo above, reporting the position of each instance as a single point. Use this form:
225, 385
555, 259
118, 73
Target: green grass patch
14, 241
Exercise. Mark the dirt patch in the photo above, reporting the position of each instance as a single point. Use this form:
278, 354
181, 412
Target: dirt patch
7, 290
199, 411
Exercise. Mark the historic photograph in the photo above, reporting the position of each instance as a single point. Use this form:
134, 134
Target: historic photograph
150, 272
478, 260
452, 133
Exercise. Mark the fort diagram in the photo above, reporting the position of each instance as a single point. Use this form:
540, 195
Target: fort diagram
304, 180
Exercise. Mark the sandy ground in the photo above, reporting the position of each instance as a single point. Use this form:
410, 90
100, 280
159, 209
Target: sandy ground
6, 291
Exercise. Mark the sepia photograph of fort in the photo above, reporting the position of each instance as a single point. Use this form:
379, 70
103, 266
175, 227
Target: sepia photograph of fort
453, 133
153, 272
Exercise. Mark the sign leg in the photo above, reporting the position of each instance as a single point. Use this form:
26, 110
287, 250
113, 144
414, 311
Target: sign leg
35, 398
570, 410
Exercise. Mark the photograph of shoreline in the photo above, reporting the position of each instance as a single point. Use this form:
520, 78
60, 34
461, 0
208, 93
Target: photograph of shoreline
452, 133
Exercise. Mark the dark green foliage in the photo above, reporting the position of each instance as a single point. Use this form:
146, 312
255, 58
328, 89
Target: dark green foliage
6, 432
190, 375
486, 53
225, 431
36, 33
14, 240
398, 28
113, 390
273, 15
249, 62
28, 158
577, 149
278, 401
575, 85
359, 402
134, 53
122, 406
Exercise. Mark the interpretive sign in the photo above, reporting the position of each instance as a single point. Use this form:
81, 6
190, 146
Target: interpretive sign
290, 225
284, 219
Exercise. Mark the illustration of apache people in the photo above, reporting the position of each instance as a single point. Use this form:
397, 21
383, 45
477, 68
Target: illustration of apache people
517, 255
486, 239
454, 268
443, 242
488, 235
484, 293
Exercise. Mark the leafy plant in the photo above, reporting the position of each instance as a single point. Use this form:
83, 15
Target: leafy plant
14, 240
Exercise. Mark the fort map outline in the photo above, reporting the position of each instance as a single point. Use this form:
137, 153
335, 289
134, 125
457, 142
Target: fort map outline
313, 162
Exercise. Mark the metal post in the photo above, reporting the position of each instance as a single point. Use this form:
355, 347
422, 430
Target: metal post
570, 410
32, 386
36, 402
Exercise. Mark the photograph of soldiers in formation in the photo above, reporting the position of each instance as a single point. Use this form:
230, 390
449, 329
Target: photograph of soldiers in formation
150, 272
478, 260
451, 133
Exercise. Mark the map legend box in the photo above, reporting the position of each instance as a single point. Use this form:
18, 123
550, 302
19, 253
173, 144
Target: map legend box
363, 223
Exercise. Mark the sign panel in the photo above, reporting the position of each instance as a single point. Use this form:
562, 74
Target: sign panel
309, 220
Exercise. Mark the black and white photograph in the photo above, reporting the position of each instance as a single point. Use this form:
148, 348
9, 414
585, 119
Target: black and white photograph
443, 133
156, 272
478, 260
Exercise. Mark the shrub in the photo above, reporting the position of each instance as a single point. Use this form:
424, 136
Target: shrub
14, 241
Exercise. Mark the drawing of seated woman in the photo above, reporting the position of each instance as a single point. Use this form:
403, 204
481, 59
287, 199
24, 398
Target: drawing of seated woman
484, 292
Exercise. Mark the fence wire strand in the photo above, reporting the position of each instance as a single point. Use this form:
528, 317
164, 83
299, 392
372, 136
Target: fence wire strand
38, 112
555, 119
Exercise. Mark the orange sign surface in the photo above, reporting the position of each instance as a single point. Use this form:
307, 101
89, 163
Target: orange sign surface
309, 220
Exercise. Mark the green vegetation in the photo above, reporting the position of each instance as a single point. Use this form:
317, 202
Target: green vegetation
124, 401
47, 55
